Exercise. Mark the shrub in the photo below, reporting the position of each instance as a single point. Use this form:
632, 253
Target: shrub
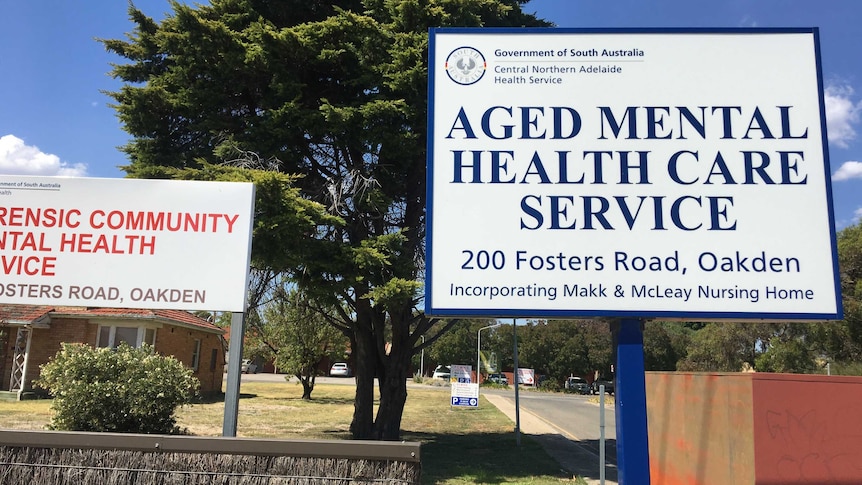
848, 368
550, 385
122, 390
436, 382
494, 385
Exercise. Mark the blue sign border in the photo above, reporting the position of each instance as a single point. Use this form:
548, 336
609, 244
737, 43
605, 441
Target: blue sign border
731, 316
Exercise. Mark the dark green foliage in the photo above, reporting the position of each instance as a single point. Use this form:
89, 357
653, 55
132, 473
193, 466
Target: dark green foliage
665, 344
559, 348
122, 390
336, 92
786, 355
807, 347
300, 336
458, 344
550, 385
724, 347
846, 341
845, 368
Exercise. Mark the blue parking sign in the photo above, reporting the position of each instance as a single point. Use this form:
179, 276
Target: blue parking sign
465, 402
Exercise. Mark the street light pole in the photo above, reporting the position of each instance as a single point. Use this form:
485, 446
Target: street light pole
517, 399
479, 351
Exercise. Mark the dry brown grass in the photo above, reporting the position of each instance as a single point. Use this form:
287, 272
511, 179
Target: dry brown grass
269, 410
25, 414
460, 446
275, 409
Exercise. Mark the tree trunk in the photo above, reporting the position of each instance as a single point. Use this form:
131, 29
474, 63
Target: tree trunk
393, 384
390, 369
307, 386
365, 361
393, 394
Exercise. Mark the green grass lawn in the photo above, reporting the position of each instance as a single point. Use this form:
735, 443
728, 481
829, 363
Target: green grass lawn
459, 446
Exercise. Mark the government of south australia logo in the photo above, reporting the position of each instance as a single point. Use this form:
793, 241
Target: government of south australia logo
465, 65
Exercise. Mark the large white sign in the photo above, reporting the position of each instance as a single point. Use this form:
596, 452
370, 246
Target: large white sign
125, 243
641, 173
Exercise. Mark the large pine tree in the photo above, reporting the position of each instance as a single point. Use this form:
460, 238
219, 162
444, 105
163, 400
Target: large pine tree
334, 91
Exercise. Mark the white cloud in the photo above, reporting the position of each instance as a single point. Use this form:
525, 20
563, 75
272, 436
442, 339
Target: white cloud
841, 113
857, 216
17, 158
848, 170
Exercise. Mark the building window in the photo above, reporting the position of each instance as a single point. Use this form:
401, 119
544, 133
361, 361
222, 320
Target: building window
114, 335
196, 356
213, 359
128, 335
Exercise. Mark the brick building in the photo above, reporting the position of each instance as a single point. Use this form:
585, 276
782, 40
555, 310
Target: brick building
31, 335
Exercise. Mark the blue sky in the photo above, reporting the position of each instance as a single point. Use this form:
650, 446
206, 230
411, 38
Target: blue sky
55, 119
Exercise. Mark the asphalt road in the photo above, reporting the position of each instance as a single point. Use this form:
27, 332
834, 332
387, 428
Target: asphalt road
571, 415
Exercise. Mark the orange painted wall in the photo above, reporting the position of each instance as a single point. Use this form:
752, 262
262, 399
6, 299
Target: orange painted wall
754, 428
807, 429
699, 428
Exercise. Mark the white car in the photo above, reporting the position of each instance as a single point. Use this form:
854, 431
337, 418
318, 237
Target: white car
340, 369
442, 372
248, 367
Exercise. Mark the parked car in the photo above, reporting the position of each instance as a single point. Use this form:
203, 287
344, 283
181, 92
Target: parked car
248, 367
577, 384
442, 372
498, 379
340, 369
608, 383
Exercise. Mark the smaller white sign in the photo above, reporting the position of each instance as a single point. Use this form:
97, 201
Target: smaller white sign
526, 377
465, 394
125, 243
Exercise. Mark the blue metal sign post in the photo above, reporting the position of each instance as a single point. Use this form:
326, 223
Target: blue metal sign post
630, 402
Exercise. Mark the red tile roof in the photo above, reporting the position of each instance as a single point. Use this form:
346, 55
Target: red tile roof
28, 313
22, 313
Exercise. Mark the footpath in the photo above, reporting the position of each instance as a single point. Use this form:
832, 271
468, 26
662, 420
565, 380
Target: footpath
573, 457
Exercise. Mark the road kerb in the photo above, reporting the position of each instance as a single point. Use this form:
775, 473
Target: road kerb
561, 446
